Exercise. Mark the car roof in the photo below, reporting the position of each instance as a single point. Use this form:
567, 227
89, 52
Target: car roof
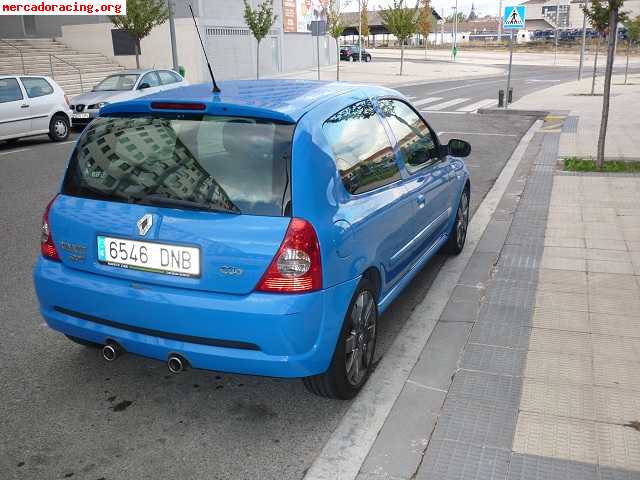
283, 100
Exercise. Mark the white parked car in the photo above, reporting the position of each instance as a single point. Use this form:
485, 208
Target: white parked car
33, 105
124, 85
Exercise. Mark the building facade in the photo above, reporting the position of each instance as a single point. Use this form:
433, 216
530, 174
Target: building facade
230, 45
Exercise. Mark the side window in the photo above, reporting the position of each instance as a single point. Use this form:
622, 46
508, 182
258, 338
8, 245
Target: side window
414, 138
151, 79
36, 87
9, 90
361, 148
167, 77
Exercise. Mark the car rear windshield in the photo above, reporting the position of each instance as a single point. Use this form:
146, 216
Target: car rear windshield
229, 164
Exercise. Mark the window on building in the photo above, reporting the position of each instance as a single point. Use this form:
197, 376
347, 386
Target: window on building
412, 134
9, 90
361, 147
36, 87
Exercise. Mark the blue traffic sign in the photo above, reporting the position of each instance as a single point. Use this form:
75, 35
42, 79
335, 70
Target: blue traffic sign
513, 17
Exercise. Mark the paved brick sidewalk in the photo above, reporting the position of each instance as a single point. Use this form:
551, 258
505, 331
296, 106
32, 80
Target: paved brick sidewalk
533, 370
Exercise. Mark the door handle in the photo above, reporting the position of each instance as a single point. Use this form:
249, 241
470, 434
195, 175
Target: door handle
421, 201
24, 106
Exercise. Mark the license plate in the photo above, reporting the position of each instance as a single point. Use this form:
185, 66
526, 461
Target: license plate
149, 256
80, 115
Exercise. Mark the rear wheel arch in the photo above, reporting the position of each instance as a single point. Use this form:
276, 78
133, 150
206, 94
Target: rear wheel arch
373, 274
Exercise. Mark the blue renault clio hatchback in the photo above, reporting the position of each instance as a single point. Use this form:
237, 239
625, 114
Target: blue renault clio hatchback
261, 230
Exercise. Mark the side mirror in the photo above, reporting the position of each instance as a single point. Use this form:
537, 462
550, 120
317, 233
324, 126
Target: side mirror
459, 148
143, 85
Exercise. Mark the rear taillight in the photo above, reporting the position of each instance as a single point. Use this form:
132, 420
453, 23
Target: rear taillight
47, 247
296, 266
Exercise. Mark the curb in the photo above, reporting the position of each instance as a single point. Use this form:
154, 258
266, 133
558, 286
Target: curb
526, 113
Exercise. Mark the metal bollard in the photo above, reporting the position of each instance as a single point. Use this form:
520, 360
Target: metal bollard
510, 97
501, 98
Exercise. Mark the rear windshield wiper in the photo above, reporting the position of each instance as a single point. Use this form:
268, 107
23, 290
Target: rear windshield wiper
161, 199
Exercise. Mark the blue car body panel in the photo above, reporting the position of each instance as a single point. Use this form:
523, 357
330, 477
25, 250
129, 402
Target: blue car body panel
222, 323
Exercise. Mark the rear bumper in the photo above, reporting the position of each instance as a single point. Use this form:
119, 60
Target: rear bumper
260, 333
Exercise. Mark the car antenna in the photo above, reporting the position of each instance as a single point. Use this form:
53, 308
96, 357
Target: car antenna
213, 79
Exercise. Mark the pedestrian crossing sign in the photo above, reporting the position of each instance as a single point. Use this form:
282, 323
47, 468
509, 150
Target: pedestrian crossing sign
513, 17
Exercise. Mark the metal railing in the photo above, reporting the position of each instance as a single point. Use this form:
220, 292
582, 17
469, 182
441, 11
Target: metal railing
19, 51
51, 69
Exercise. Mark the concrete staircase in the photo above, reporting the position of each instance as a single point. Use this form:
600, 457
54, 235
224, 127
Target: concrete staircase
42, 55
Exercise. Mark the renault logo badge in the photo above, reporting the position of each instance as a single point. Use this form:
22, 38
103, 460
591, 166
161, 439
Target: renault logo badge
144, 224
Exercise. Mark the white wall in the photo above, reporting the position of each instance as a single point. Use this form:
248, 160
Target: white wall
156, 48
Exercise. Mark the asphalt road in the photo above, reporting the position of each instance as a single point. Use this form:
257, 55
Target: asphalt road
65, 413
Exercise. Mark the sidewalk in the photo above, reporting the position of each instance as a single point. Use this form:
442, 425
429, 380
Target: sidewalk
533, 368
387, 73
580, 131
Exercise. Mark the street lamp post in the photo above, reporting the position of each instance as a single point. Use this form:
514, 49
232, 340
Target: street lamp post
584, 40
172, 33
360, 32
455, 31
500, 22
555, 53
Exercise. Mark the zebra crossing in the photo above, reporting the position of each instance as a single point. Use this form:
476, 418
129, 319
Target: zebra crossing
456, 105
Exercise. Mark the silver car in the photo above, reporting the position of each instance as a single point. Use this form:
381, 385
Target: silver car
124, 85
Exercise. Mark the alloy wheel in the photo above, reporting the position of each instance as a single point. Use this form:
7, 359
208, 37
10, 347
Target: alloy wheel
462, 220
360, 341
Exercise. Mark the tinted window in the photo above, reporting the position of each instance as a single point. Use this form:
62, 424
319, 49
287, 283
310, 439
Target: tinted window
412, 134
167, 77
361, 148
117, 83
9, 90
232, 164
36, 87
151, 79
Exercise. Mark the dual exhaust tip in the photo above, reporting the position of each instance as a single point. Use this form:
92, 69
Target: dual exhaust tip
112, 350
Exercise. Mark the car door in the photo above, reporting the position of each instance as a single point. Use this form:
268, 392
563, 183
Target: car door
41, 100
376, 206
15, 119
428, 170
149, 83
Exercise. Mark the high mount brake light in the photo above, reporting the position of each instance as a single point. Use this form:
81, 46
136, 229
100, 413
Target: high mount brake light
47, 246
296, 267
178, 106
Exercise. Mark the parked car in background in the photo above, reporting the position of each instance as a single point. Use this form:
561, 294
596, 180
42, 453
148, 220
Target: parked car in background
352, 53
33, 105
260, 230
124, 85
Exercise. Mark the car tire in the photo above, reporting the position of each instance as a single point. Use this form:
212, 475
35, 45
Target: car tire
349, 370
80, 341
59, 128
458, 235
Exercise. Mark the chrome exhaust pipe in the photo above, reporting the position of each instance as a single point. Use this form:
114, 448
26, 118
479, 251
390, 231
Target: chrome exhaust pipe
111, 351
176, 364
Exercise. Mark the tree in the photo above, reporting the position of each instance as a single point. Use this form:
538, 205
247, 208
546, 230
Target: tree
259, 20
597, 15
633, 36
364, 19
401, 22
425, 21
335, 27
452, 18
142, 16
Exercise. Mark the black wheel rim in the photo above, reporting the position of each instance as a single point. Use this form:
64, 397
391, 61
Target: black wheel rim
361, 335
462, 220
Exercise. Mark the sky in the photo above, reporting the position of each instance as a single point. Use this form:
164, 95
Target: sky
483, 7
